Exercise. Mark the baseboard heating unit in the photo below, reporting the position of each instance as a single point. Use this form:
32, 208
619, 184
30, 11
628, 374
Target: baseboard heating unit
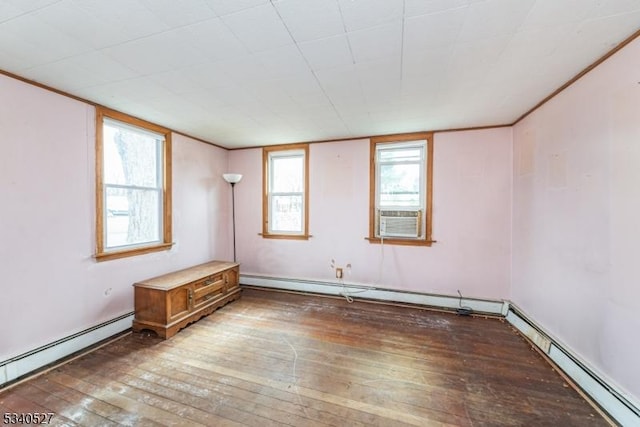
24, 364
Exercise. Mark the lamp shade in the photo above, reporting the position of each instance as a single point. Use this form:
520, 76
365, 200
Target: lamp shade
232, 178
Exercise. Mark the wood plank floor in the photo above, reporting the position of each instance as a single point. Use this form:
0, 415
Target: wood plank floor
275, 358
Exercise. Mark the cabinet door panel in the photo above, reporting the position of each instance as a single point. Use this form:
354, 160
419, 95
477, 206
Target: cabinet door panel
231, 278
179, 303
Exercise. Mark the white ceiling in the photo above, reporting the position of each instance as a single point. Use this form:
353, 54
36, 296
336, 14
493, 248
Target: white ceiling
256, 72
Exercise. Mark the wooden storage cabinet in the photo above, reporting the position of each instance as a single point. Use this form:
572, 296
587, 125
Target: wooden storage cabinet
166, 304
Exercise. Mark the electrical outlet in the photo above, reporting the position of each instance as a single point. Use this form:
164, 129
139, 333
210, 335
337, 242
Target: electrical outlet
338, 273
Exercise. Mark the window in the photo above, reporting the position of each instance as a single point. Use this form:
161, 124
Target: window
401, 189
133, 186
285, 203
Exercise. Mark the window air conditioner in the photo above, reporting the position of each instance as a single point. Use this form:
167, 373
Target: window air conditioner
400, 223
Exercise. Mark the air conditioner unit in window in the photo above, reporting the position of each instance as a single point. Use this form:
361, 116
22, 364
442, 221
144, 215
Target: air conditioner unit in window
399, 223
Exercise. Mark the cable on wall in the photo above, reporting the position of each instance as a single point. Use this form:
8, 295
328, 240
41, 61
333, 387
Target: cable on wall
463, 310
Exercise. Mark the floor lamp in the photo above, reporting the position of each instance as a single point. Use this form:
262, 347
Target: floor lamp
233, 179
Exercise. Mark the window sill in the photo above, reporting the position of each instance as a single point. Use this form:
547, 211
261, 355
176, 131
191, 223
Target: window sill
106, 256
403, 242
286, 236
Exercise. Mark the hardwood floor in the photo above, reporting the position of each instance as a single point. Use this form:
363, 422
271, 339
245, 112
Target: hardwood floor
275, 358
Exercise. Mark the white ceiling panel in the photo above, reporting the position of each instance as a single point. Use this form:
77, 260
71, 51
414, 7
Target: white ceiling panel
243, 69
338, 79
475, 57
130, 17
614, 7
157, 53
30, 5
424, 65
539, 43
259, 28
434, 30
379, 73
30, 36
424, 7
494, 18
282, 62
605, 33
417, 92
375, 43
81, 71
226, 7
178, 13
310, 19
213, 39
361, 14
81, 24
206, 75
9, 11
255, 72
327, 53
548, 13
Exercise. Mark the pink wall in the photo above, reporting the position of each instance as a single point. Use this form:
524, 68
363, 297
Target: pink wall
50, 286
576, 210
472, 219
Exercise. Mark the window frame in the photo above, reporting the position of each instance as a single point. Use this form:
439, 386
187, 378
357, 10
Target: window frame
267, 152
102, 253
425, 240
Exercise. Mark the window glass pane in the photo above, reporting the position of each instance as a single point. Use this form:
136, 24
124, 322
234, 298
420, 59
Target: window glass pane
287, 174
132, 216
404, 154
400, 185
130, 157
286, 213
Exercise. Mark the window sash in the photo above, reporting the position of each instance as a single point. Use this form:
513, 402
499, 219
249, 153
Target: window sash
278, 220
275, 217
401, 150
384, 148
286, 182
151, 193
109, 224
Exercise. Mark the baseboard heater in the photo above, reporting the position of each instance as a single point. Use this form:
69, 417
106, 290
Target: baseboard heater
612, 401
15, 368
442, 302
608, 398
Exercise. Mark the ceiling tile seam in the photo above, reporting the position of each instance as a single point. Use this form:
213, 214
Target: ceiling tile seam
104, 49
239, 10
404, 8
637, 9
346, 34
438, 12
440, 93
353, 60
313, 73
30, 12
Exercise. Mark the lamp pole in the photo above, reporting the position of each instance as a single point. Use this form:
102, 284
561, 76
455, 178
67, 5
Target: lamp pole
233, 217
233, 179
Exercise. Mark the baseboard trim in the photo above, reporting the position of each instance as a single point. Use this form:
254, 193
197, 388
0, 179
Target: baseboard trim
441, 302
24, 364
602, 393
